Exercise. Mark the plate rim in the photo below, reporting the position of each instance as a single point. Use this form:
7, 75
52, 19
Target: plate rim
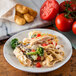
43, 71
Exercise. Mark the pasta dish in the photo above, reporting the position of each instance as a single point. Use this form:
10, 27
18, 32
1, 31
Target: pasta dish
39, 49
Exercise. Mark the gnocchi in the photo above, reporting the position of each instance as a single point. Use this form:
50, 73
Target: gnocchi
21, 9
19, 20
32, 12
28, 18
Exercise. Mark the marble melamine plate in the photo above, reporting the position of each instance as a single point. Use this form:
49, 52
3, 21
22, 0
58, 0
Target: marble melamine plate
12, 60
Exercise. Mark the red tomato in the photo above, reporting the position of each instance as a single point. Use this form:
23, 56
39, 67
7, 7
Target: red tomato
38, 35
38, 65
74, 27
33, 50
71, 6
63, 24
44, 44
39, 58
49, 10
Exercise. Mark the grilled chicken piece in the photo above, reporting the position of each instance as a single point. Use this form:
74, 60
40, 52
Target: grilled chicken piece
39, 40
22, 58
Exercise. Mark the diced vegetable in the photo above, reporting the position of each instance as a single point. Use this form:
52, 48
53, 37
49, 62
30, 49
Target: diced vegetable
38, 35
49, 39
31, 53
42, 34
44, 44
38, 65
32, 50
55, 44
39, 51
14, 43
39, 58
33, 36
51, 42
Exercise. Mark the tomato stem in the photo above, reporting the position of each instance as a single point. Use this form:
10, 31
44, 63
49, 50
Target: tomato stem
72, 13
67, 5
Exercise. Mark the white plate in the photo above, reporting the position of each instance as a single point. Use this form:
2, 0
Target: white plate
12, 60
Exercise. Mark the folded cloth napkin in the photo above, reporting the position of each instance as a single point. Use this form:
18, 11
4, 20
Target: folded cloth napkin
7, 10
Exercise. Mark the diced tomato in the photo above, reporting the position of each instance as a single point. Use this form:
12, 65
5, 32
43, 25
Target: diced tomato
38, 35
55, 44
51, 42
22, 51
33, 50
39, 58
38, 65
44, 44
32, 38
